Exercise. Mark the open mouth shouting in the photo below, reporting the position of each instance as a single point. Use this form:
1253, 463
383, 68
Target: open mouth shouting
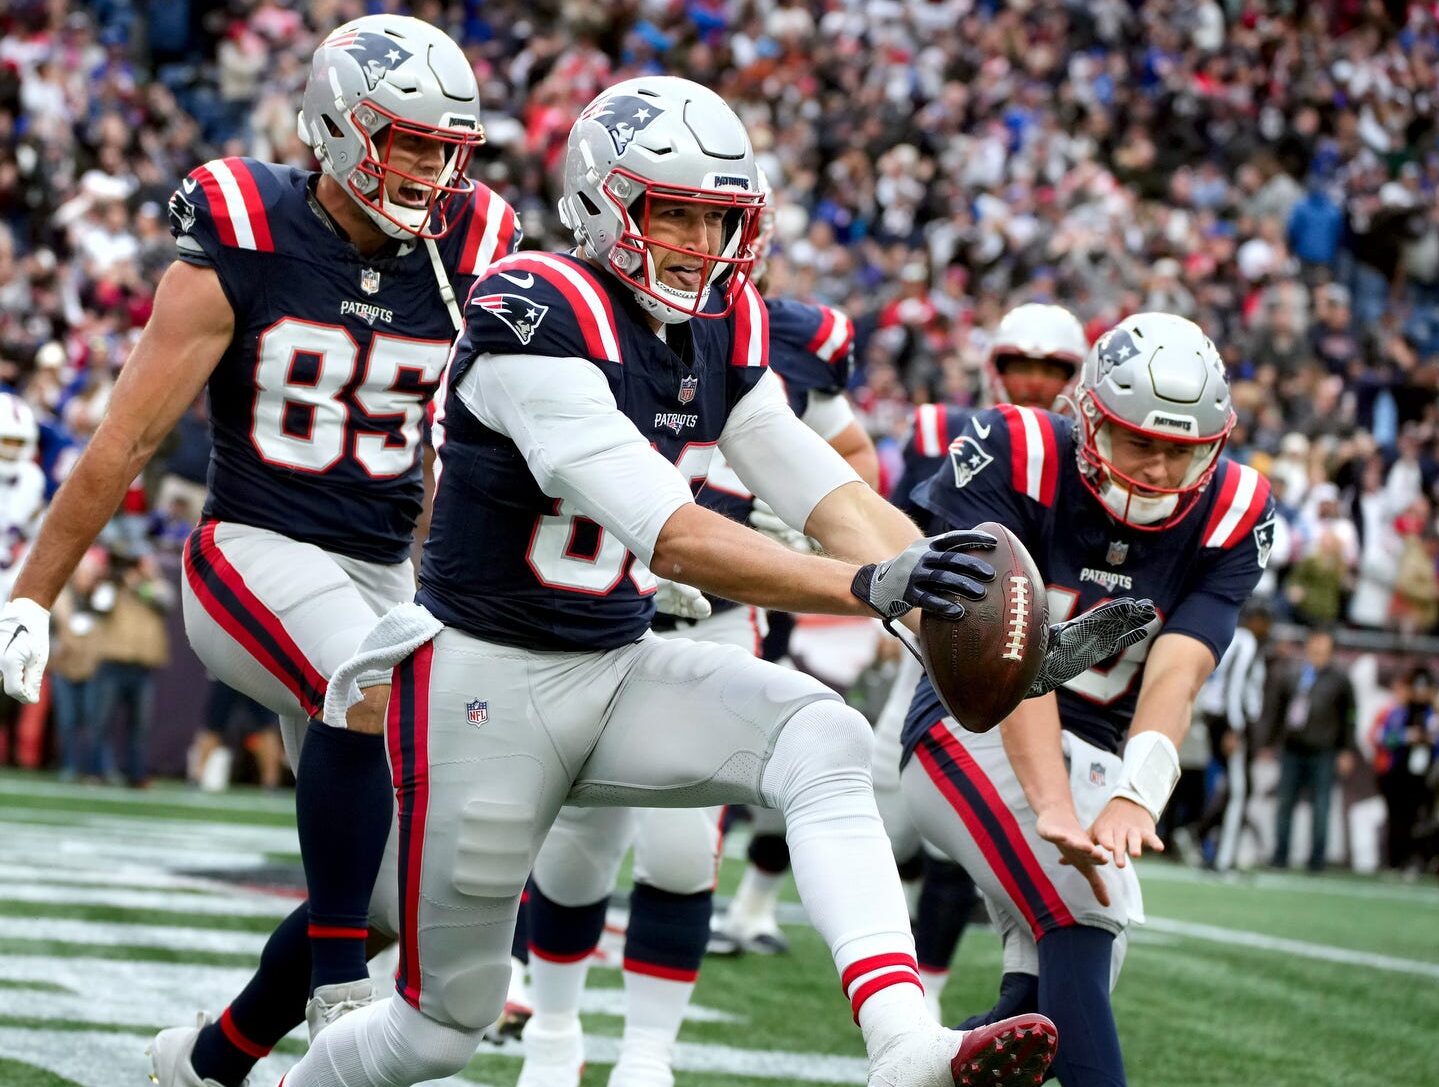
412, 196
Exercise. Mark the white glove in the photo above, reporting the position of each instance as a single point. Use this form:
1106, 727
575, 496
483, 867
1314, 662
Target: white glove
24, 648
764, 520
681, 600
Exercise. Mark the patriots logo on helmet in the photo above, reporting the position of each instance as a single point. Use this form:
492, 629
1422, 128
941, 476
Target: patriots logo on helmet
376, 54
1115, 347
515, 310
624, 117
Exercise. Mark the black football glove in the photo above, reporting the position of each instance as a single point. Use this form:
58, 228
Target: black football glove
1085, 640
918, 575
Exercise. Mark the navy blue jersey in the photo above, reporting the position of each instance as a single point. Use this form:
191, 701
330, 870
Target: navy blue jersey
811, 350
1017, 466
317, 402
508, 563
935, 427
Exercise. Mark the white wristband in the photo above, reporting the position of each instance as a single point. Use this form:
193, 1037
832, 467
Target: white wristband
1150, 772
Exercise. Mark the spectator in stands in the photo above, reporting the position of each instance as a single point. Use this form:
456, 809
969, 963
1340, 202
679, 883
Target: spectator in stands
1406, 743
132, 644
74, 656
1310, 724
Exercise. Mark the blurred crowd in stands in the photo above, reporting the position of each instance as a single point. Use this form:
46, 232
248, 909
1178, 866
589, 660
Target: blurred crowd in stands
1269, 169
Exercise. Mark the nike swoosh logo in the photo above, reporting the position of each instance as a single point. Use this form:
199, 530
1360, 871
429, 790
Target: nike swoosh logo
188, 184
19, 630
527, 281
981, 429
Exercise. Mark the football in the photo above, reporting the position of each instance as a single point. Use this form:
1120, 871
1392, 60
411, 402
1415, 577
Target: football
983, 665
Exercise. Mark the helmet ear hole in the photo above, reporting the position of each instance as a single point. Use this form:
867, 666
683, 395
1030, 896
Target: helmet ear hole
333, 126
590, 206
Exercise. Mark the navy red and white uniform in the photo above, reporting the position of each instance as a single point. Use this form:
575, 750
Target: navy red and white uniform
22, 505
1017, 466
316, 407
935, 427
548, 505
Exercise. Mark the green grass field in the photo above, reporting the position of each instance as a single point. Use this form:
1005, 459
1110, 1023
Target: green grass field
124, 912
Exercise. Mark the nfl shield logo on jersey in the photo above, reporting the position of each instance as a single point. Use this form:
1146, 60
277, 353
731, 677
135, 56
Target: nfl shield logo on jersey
1096, 774
369, 281
1117, 553
687, 389
477, 712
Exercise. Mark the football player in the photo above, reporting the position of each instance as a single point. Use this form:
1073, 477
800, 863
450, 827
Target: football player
526, 675
1132, 497
319, 309
1032, 360
676, 851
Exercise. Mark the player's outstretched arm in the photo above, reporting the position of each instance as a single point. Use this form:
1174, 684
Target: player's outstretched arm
1031, 740
188, 332
1176, 668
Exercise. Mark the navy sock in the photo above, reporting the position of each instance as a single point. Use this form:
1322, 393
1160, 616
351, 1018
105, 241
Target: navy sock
667, 932
563, 933
946, 899
520, 941
267, 1009
769, 853
1074, 968
1018, 995
343, 801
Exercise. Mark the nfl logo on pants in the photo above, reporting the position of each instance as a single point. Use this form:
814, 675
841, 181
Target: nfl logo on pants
478, 712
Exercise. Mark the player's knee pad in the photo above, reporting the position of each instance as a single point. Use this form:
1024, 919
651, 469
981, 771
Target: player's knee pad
579, 861
492, 847
418, 1047
823, 751
676, 850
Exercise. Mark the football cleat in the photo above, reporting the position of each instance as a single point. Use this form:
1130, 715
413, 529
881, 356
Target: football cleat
329, 1002
1014, 1052
553, 1058
732, 939
170, 1053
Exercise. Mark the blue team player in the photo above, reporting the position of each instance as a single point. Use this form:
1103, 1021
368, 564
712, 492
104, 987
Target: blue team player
319, 309
1032, 360
676, 859
1132, 498
582, 407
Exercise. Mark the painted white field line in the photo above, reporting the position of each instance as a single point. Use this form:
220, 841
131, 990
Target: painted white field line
118, 934
1422, 896
237, 903
244, 800
1298, 948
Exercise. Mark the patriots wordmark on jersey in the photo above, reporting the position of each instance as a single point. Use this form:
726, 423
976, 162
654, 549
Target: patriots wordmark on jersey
1017, 466
508, 563
318, 402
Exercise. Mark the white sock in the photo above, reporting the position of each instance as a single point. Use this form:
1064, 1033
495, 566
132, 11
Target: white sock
818, 776
934, 983
555, 990
755, 900
654, 1008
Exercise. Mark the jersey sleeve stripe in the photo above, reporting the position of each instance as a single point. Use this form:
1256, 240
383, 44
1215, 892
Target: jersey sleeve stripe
929, 428
254, 205
823, 332
232, 216
219, 213
751, 329
832, 346
1241, 500
586, 297
1033, 452
482, 241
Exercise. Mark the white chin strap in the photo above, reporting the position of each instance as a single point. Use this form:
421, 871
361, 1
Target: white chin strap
693, 301
1139, 509
414, 218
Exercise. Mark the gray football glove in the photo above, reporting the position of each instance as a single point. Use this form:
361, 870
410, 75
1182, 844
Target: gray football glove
1079, 644
917, 576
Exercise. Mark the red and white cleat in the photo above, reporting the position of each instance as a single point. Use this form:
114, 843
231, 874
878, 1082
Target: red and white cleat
1013, 1051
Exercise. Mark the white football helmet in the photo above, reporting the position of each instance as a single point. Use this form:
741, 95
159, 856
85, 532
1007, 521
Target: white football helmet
380, 78
661, 137
1041, 333
1159, 376
19, 434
